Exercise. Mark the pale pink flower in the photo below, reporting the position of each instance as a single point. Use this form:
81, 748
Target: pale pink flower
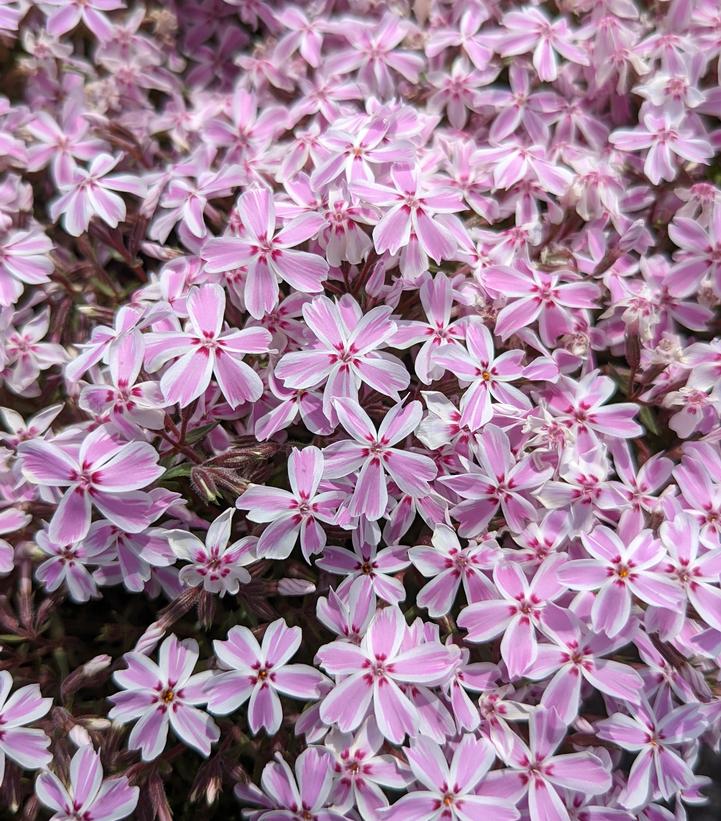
258, 673
267, 254
666, 136
372, 452
68, 13
517, 614
293, 513
370, 675
449, 565
346, 352
89, 193
163, 696
204, 350
450, 788
26, 746
216, 565
411, 222
24, 260
620, 571
530, 30
88, 795
105, 473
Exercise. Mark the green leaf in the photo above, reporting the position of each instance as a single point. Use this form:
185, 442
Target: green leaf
177, 472
648, 420
199, 433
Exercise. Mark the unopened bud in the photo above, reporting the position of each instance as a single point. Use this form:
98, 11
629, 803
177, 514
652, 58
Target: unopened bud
295, 587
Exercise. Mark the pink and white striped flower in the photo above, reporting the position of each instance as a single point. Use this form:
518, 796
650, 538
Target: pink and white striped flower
164, 696
204, 350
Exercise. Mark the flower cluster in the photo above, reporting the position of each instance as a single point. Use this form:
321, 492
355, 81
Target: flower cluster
361, 409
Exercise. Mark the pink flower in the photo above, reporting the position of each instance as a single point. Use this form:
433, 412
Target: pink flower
66, 566
697, 571
362, 771
28, 356
87, 796
355, 155
62, 143
304, 35
467, 36
517, 614
457, 90
204, 350
487, 374
293, 513
580, 406
450, 789
90, 193
658, 768
24, 260
292, 403
529, 29
536, 295
267, 255
700, 253
374, 52
410, 222
437, 299
664, 134
367, 564
27, 747
259, 673
346, 353
249, 131
500, 481
371, 674
449, 565
372, 453
577, 654
537, 771
131, 405
162, 696
304, 794
105, 473
620, 571
216, 565
102, 340
69, 13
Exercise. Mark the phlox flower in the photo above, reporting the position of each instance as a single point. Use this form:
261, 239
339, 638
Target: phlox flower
269, 255
105, 473
89, 193
450, 788
163, 695
216, 565
373, 452
204, 350
88, 796
620, 571
346, 354
304, 792
449, 565
295, 513
371, 674
26, 746
258, 673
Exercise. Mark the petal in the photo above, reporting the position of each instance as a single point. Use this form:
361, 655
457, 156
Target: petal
206, 308
194, 727
347, 704
177, 659
280, 643
86, 774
